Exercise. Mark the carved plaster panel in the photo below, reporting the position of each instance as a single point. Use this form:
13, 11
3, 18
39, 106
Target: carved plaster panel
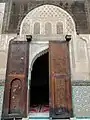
45, 14
4, 41
81, 55
2, 8
36, 50
81, 47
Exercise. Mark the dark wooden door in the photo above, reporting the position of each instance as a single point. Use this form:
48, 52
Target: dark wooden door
15, 94
60, 82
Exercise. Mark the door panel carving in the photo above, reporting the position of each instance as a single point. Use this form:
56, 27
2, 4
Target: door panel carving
60, 83
15, 95
15, 92
60, 91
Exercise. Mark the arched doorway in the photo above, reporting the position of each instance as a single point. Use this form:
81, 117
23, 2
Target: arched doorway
60, 100
57, 104
39, 85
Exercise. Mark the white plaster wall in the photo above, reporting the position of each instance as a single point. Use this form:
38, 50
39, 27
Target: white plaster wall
81, 69
4, 42
82, 63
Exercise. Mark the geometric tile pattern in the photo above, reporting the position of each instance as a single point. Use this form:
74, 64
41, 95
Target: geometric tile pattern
1, 98
81, 119
81, 101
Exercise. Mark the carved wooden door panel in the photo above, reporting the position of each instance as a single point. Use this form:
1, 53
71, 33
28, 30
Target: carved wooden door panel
15, 92
15, 95
60, 83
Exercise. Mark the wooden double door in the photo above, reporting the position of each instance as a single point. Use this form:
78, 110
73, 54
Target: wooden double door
16, 84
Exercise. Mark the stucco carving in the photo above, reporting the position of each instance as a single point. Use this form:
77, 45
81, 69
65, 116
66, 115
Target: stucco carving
2, 7
81, 47
81, 54
47, 13
36, 50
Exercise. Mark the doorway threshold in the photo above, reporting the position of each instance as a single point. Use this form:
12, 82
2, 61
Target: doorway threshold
39, 116
42, 114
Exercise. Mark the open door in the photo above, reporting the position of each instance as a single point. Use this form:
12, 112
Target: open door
39, 88
60, 83
15, 93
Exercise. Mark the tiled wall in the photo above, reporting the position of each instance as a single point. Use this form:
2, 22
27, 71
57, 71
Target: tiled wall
81, 101
1, 99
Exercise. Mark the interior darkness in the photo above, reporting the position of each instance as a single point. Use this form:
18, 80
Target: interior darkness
39, 89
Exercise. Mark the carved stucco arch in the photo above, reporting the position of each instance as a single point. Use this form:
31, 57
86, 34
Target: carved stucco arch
36, 50
49, 12
45, 50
